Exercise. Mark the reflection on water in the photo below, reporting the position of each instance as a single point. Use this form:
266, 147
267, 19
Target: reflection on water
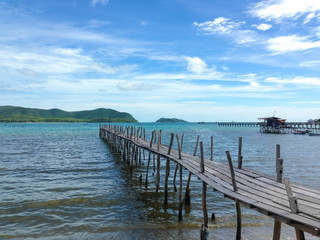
62, 181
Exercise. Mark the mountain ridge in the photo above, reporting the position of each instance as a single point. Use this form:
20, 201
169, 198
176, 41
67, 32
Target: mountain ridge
22, 114
170, 120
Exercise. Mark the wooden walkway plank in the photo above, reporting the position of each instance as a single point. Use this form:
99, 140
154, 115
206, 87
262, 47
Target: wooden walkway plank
308, 208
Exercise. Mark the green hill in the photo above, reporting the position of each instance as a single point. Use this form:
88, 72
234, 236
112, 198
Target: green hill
21, 114
170, 120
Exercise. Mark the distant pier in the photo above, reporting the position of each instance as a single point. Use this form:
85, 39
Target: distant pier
303, 125
238, 124
288, 127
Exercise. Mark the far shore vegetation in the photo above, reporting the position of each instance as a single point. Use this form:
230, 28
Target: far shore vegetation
170, 120
21, 114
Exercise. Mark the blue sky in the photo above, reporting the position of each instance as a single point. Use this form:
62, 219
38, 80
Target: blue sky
202, 60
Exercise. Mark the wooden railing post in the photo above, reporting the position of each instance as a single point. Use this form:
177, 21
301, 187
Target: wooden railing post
195, 149
159, 140
138, 134
238, 207
158, 162
202, 168
134, 133
180, 195
151, 140
279, 170
211, 152
155, 136
240, 153
179, 146
171, 142
293, 202
180, 189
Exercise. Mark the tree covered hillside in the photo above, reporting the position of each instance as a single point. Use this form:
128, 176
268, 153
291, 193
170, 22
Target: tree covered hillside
21, 114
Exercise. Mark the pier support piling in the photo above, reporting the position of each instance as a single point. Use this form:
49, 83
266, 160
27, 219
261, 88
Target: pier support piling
158, 173
174, 177
180, 195
149, 159
204, 197
166, 182
177, 166
187, 198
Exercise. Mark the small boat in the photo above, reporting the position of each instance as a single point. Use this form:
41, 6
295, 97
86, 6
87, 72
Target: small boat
297, 132
314, 134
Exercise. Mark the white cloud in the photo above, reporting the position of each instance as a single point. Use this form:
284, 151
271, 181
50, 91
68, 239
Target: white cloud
162, 76
166, 58
280, 9
74, 86
67, 51
317, 31
254, 84
136, 86
310, 63
245, 36
307, 102
227, 27
55, 61
28, 72
143, 23
49, 33
301, 81
48, 62
218, 25
95, 2
97, 23
284, 44
249, 76
309, 17
196, 65
264, 26
225, 68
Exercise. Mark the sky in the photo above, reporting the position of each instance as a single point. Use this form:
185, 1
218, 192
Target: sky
204, 60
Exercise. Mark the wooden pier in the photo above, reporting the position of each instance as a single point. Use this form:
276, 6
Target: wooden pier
278, 198
287, 128
238, 124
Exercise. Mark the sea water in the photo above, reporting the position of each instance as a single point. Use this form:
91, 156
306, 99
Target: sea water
61, 181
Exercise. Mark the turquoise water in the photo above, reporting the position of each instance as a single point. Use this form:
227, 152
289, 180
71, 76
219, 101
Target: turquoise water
61, 181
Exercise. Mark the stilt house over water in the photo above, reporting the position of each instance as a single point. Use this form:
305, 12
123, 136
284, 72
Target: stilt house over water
273, 125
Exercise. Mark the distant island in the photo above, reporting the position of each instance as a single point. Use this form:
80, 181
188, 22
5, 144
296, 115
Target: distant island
169, 120
21, 114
